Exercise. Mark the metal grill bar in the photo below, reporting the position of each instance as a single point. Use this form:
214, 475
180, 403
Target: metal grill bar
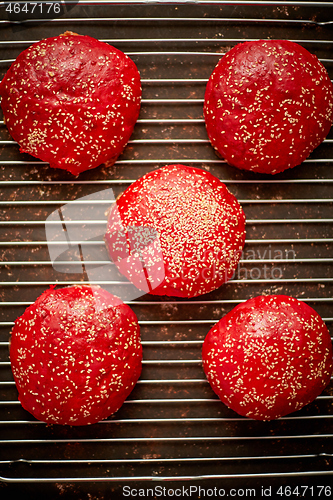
192, 438
124, 283
107, 202
172, 401
257, 242
136, 460
178, 20
165, 478
158, 160
189, 301
172, 40
106, 262
203, 3
129, 181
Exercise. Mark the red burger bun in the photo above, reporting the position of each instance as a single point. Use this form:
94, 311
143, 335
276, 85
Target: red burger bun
75, 355
268, 104
200, 229
71, 101
268, 357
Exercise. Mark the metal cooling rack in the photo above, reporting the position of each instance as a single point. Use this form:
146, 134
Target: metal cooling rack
172, 427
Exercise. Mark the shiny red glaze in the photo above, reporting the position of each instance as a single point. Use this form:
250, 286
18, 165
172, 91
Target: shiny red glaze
268, 357
75, 355
72, 101
268, 105
199, 223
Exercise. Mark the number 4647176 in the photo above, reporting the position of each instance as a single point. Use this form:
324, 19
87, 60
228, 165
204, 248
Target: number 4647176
33, 7
305, 491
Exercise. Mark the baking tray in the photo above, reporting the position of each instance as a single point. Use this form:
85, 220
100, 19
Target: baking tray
172, 432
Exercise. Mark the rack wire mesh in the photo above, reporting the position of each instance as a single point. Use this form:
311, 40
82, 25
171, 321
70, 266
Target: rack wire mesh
172, 427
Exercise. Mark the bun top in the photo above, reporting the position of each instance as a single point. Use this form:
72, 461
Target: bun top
268, 357
268, 105
75, 355
72, 101
199, 224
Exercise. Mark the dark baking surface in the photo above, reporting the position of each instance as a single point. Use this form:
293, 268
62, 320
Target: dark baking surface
172, 425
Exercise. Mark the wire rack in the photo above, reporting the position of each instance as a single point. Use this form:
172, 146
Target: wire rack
172, 429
